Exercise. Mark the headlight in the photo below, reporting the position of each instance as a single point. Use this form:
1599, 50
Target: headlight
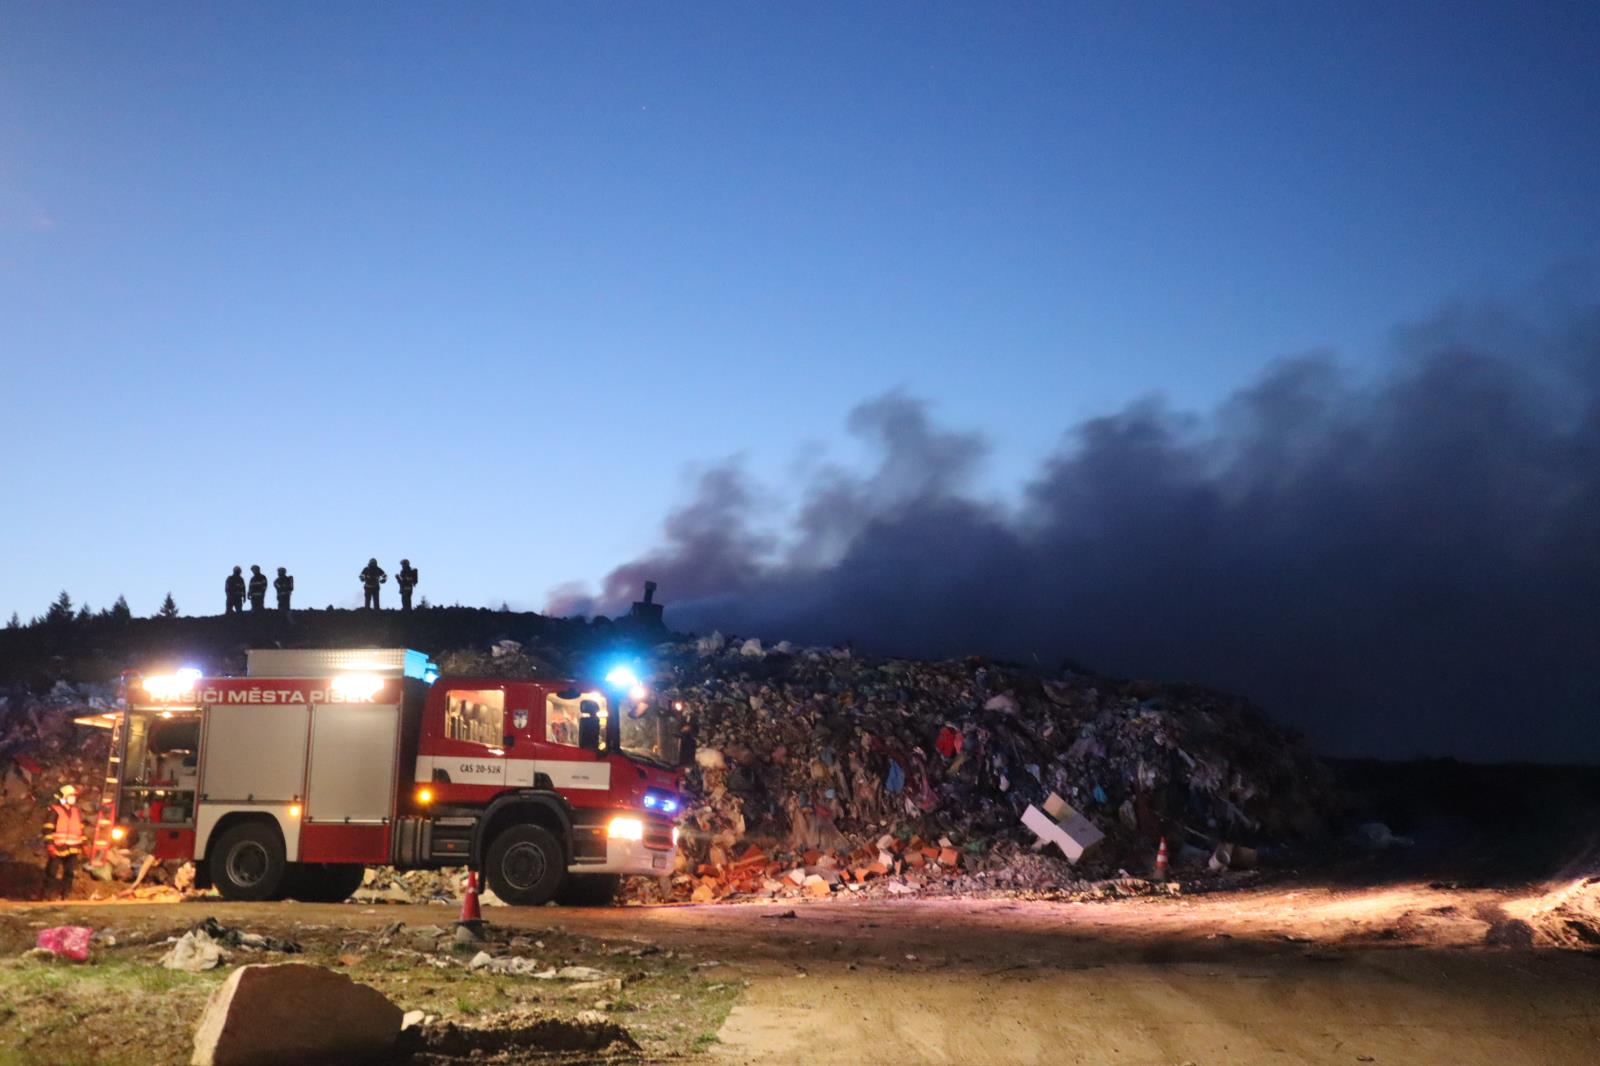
622, 828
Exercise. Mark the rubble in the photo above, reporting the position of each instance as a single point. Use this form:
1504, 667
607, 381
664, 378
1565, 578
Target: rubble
819, 772
515, 1036
291, 1012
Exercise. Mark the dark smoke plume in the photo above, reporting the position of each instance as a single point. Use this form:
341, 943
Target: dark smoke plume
1402, 563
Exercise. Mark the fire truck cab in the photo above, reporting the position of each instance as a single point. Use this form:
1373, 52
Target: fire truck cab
290, 781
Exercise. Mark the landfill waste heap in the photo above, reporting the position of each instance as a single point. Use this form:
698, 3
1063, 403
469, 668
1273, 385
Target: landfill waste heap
41, 750
818, 771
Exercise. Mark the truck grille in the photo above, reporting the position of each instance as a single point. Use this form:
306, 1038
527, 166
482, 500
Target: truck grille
657, 834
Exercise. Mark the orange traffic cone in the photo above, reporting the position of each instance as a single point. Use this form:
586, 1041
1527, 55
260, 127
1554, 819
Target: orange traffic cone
469, 898
1161, 859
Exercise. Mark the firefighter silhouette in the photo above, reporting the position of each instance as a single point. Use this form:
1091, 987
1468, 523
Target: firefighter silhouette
371, 577
258, 589
283, 585
407, 580
233, 589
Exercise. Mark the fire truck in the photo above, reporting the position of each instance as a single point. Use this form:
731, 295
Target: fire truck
291, 780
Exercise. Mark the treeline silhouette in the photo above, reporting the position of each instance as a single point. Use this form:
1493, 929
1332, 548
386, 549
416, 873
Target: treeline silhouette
79, 645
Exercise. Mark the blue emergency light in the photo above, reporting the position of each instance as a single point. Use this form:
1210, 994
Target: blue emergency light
622, 677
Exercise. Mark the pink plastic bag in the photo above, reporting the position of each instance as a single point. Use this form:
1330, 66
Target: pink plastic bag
68, 941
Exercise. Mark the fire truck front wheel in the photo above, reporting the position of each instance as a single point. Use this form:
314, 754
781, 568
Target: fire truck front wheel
524, 865
247, 863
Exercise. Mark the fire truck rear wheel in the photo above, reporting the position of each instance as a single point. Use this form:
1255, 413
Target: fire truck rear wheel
247, 862
524, 865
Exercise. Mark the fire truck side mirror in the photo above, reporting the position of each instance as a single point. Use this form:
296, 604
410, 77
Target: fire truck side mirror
589, 733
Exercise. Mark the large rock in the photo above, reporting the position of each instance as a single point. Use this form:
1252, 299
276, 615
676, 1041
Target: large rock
291, 1012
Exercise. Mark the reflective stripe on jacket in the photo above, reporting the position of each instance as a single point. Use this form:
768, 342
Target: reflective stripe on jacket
63, 830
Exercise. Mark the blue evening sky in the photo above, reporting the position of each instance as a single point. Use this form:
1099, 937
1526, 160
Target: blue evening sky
477, 283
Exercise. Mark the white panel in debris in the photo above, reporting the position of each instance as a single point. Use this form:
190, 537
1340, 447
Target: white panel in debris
1076, 836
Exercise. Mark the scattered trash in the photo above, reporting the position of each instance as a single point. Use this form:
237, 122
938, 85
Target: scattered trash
66, 942
239, 938
195, 952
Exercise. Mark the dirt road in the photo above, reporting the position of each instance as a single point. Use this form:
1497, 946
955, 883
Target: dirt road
1396, 975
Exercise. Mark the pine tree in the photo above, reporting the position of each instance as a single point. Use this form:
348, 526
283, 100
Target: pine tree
84, 613
422, 604
120, 610
61, 610
15, 623
169, 608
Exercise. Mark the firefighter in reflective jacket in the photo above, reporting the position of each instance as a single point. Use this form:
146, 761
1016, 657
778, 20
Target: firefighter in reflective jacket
233, 589
63, 838
283, 585
258, 589
371, 577
407, 580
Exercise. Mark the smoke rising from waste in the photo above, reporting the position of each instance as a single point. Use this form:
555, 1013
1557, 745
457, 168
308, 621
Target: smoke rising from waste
1403, 562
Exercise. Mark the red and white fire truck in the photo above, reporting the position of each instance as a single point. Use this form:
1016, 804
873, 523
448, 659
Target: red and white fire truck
293, 779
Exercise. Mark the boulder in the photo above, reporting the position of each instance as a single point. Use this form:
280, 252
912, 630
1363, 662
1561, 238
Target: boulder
291, 1012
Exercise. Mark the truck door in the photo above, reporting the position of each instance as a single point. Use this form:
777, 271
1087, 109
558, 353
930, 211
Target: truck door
471, 749
524, 728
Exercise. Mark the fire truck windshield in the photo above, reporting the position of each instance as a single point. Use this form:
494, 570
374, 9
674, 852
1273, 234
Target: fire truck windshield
649, 733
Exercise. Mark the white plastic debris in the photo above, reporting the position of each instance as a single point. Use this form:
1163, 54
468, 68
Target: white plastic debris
1062, 826
195, 952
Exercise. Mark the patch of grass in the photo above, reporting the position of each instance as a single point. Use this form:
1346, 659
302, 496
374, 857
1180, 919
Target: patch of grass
119, 1008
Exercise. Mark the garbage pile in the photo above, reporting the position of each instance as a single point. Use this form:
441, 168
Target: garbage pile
385, 884
42, 749
817, 770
